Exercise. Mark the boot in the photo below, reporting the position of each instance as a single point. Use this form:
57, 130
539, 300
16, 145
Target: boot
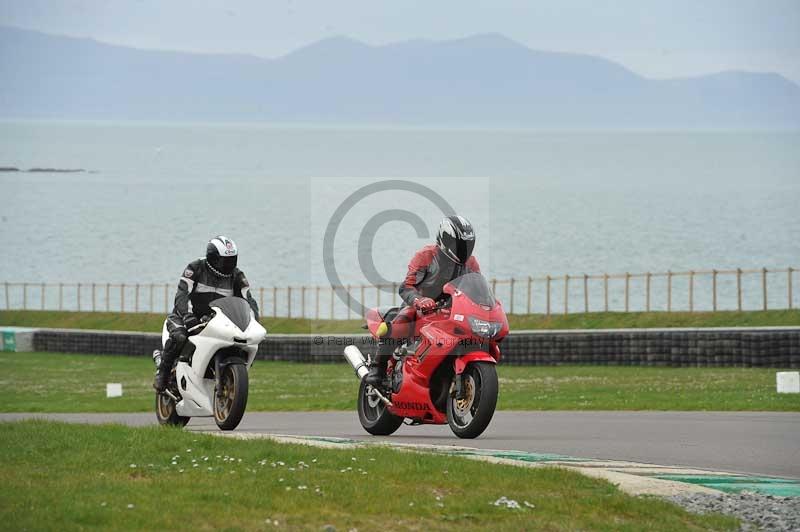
165, 367
377, 371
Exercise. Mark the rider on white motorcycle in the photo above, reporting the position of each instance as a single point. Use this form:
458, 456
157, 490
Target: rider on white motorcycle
203, 281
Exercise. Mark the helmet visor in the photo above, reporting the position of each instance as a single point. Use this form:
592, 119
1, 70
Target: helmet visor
464, 249
226, 265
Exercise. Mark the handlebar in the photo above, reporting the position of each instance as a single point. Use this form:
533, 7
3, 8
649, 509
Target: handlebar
202, 325
444, 303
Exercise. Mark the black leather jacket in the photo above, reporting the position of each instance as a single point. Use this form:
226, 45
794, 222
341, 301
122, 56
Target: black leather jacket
200, 285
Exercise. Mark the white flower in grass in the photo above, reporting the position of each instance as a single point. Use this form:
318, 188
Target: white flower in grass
188, 450
133, 466
508, 503
529, 505
131, 507
103, 504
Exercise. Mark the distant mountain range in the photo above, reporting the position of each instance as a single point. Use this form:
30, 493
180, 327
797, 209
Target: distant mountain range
479, 80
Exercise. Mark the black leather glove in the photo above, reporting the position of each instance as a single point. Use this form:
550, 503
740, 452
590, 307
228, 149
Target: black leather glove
180, 335
190, 320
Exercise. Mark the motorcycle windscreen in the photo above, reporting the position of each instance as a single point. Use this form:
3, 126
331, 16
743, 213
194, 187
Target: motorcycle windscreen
475, 287
236, 309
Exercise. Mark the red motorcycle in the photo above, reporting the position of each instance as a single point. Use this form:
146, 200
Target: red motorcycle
443, 368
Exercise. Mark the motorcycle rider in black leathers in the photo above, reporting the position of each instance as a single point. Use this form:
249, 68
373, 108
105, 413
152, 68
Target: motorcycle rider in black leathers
430, 269
203, 281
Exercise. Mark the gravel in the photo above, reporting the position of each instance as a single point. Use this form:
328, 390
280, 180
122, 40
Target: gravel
757, 512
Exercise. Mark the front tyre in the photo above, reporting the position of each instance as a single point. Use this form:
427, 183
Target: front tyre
166, 414
373, 414
469, 417
230, 400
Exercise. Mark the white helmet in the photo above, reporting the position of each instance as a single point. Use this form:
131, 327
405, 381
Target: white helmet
222, 255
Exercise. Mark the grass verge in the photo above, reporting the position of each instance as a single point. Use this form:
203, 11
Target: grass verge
55, 382
69, 477
592, 320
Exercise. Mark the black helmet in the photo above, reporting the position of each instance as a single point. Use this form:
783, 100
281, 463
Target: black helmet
221, 255
456, 238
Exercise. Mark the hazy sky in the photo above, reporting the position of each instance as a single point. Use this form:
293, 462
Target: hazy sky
669, 38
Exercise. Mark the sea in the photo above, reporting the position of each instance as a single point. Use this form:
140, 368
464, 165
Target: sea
309, 205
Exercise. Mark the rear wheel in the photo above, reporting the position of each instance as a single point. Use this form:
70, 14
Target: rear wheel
373, 414
165, 412
230, 400
469, 417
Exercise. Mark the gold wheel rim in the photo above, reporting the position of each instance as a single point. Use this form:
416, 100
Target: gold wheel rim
224, 400
463, 405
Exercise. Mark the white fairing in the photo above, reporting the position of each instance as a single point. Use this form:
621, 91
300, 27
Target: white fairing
198, 392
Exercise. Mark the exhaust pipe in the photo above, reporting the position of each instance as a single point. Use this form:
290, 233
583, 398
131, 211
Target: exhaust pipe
356, 359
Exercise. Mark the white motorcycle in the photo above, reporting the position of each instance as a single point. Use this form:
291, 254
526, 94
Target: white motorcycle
210, 376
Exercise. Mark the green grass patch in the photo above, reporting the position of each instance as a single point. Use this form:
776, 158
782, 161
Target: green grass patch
592, 320
55, 382
70, 477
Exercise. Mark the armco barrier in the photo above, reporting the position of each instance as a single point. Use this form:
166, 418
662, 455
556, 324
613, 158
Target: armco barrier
777, 347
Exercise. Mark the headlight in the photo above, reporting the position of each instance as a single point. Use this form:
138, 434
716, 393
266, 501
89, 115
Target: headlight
484, 329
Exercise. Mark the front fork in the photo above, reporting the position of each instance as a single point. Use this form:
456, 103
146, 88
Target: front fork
458, 387
217, 378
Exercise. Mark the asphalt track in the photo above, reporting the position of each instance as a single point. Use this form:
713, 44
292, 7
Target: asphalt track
754, 443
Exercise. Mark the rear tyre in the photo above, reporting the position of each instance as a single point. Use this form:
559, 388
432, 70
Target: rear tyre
230, 402
166, 414
469, 417
373, 414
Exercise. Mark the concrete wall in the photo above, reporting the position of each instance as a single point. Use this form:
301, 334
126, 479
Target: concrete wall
777, 347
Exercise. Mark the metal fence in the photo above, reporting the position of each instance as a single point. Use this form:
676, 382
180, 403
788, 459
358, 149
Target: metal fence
692, 291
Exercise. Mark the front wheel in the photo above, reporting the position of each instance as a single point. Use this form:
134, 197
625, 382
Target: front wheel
165, 412
230, 400
469, 417
373, 414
